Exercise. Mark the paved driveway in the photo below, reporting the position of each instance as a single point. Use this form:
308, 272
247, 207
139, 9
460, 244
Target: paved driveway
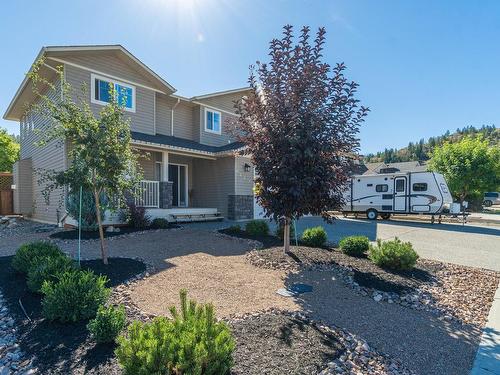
471, 245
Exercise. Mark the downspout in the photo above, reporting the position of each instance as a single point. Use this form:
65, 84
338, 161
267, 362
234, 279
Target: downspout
172, 117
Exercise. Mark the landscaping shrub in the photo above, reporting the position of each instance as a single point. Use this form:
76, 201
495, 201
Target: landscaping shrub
192, 343
160, 223
257, 228
393, 254
280, 231
314, 237
89, 214
29, 252
135, 216
354, 245
107, 324
47, 268
74, 295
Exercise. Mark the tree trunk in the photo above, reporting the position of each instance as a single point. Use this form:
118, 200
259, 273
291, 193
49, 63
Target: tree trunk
104, 253
286, 235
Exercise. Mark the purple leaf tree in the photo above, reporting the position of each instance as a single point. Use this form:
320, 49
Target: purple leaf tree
300, 124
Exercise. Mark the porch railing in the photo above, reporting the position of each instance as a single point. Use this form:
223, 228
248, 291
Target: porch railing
148, 194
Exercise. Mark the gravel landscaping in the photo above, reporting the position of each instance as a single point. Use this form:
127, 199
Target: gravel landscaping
109, 233
458, 293
15, 226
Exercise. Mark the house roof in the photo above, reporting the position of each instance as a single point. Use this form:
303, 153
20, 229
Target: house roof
185, 144
407, 166
55, 56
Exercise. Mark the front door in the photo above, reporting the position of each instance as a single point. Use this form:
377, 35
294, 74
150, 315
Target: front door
177, 174
400, 195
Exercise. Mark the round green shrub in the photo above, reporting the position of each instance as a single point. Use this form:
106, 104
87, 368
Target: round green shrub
74, 295
47, 268
160, 223
107, 324
354, 245
314, 237
193, 342
89, 213
280, 231
29, 252
395, 255
257, 228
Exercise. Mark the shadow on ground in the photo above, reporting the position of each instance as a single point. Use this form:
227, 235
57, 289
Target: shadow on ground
424, 343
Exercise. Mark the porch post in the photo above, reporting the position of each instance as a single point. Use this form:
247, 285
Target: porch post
165, 185
165, 166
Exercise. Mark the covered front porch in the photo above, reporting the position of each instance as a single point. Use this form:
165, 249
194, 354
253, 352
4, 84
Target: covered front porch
174, 186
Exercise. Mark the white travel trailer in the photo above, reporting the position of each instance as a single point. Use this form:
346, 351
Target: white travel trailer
398, 193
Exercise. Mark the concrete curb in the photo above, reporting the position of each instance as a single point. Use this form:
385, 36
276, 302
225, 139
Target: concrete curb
487, 361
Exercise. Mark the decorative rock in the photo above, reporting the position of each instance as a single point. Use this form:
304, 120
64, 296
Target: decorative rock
110, 229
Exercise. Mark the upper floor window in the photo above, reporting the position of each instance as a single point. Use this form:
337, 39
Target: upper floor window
212, 121
100, 92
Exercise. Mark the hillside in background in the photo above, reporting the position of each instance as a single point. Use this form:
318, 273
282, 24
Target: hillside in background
421, 150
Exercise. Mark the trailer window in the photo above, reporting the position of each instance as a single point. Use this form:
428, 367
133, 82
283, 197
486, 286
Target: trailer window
381, 188
420, 186
400, 185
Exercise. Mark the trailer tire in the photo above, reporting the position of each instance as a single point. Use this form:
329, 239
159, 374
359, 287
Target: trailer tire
488, 203
385, 216
372, 214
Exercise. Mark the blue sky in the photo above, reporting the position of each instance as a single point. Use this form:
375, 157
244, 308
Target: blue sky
423, 66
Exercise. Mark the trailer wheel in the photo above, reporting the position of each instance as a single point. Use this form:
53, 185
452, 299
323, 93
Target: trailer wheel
488, 203
372, 214
385, 216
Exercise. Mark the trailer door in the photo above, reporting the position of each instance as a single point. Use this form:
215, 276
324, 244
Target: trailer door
400, 194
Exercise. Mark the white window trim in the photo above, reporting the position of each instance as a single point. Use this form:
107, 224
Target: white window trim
93, 100
219, 132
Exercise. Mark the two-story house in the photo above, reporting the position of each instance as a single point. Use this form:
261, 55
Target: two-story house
193, 168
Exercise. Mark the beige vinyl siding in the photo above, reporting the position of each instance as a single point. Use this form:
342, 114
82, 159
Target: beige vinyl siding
140, 121
214, 181
109, 63
214, 139
163, 114
244, 180
23, 194
50, 156
224, 102
184, 121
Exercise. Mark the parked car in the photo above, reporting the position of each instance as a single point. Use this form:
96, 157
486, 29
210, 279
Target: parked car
491, 198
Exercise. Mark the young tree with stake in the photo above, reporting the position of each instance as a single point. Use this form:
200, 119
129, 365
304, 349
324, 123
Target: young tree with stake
100, 157
299, 124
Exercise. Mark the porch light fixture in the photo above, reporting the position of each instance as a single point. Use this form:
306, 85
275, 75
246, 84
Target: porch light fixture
246, 167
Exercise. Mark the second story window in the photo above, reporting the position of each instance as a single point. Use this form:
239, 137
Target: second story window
100, 92
212, 121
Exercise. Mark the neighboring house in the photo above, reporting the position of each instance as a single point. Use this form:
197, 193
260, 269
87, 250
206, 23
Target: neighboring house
380, 168
193, 169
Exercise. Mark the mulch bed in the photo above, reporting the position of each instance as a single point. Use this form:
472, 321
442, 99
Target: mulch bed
459, 293
72, 234
62, 348
278, 344
365, 272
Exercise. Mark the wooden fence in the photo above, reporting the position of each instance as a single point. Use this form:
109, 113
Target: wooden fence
6, 194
